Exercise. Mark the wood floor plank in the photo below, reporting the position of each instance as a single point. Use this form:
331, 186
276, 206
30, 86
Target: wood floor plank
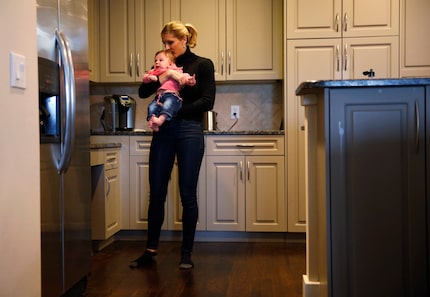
247, 269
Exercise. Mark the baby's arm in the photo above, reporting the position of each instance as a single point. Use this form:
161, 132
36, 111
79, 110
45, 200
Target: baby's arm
147, 78
182, 78
152, 75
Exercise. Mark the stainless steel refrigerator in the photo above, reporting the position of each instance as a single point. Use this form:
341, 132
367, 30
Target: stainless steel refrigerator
62, 27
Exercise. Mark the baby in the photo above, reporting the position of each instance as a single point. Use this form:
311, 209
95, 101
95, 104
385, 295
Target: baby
167, 102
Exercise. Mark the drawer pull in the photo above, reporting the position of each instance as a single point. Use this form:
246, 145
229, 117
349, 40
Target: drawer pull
111, 160
245, 146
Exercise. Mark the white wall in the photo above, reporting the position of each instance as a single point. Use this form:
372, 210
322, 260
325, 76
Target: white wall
19, 156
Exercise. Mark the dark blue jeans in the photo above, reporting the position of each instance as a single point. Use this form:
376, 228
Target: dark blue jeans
171, 105
183, 139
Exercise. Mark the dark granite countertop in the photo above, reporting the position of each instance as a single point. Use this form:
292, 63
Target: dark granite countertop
307, 87
139, 132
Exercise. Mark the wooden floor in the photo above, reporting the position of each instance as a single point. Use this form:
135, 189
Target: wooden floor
221, 270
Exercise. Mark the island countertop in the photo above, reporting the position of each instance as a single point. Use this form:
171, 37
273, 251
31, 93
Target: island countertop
310, 86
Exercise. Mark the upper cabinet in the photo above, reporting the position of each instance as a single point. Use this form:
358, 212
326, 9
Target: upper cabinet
242, 37
342, 18
415, 44
128, 35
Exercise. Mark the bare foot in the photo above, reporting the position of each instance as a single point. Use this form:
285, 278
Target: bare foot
158, 121
153, 126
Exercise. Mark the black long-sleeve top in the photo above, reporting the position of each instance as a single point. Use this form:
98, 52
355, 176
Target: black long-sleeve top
196, 99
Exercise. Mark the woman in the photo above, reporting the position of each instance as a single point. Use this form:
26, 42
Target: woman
183, 138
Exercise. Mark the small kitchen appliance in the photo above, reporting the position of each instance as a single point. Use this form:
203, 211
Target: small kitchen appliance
119, 113
209, 121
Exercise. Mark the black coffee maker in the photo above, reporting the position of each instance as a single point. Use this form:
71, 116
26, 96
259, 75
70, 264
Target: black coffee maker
119, 113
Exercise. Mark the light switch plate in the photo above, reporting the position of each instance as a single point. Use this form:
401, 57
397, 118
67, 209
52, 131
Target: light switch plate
17, 71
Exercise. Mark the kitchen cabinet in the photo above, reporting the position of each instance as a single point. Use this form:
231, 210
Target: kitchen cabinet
415, 45
127, 40
93, 39
342, 18
139, 182
105, 209
245, 183
124, 140
242, 37
139, 190
336, 41
313, 59
174, 206
367, 232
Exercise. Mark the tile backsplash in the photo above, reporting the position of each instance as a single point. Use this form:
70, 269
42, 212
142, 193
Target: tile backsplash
261, 105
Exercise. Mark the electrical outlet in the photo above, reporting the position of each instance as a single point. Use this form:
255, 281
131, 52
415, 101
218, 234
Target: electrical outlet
234, 112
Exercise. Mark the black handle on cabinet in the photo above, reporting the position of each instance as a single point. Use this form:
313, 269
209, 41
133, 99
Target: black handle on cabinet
369, 73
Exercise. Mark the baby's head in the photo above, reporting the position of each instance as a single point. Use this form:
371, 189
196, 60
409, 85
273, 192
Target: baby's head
163, 58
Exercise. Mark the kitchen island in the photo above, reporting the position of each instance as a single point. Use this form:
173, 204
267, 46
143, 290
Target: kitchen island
367, 165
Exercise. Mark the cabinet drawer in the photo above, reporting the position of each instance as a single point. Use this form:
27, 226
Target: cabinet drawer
111, 159
140, 145
228, 145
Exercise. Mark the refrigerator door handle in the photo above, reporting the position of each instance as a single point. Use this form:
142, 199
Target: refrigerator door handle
70, 100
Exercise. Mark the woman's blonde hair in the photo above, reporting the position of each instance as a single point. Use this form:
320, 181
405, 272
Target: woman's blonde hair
180, 30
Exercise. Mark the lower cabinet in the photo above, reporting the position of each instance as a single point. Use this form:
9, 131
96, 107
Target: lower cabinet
106, 211
139, 190
245, 183
139, 182
241, 184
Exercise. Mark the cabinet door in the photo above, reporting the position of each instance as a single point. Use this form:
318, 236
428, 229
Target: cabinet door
93, 39
105, 208
243, 38
129, 37
174, 205
265, 200
149, 21
314, 18
112, 204
415, 47
341, 18
358, 21
313, 59
210, 23
377, 207
139, 192
117, 41
225, 184
254, 39
381, 54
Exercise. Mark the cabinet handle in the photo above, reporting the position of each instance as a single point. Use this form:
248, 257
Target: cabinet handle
345, 22
245, 146
229, 63
345, 54
417, 126
247, 169
336, 22
130, 66
138, 65
108, 186
222, 63
241, 170
338, 58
